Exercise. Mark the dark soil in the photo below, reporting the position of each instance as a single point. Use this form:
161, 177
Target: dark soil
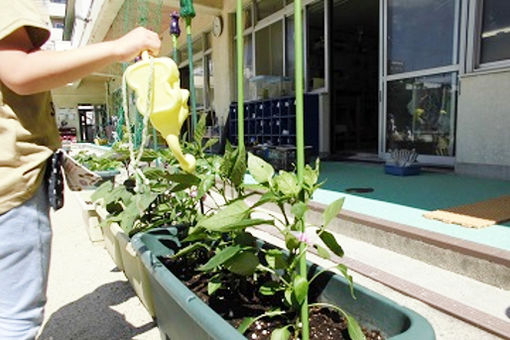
241, 299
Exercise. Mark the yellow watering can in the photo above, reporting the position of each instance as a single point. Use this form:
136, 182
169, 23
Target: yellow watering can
169, 102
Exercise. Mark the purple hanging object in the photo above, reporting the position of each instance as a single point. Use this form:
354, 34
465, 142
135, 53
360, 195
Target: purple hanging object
174, 24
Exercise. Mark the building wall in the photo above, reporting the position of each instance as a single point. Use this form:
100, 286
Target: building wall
483, 125
66, 100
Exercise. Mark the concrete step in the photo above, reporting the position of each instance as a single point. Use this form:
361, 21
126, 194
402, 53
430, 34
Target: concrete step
457, 307
475, 260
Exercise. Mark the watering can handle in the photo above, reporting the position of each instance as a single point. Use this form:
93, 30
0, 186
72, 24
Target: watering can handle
145, 55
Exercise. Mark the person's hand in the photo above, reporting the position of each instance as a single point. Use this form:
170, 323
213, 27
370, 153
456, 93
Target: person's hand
135, 42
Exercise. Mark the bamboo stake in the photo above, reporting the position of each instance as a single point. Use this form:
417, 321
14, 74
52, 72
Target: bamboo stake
240, 74
300, 147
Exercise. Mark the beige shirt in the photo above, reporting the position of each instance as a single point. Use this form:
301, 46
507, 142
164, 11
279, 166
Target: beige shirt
28, 132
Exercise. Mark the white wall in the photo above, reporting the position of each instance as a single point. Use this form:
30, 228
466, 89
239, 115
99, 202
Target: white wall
483, 125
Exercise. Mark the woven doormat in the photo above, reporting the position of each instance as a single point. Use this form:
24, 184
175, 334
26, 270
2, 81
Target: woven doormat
476, 215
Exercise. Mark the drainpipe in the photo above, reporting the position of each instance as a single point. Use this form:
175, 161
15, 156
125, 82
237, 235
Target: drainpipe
69, 20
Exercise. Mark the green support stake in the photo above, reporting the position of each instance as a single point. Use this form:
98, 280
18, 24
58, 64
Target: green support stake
300, 146
188, 13
240, 74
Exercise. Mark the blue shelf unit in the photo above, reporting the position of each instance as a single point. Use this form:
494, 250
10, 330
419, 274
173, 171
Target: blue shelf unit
272, 122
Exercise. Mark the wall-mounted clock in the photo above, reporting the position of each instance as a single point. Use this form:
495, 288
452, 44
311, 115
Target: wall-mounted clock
217, 26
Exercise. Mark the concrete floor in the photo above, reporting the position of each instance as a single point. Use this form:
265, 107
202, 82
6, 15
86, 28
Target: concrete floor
88, 297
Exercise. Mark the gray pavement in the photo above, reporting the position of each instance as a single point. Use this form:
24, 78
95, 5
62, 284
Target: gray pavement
88, 297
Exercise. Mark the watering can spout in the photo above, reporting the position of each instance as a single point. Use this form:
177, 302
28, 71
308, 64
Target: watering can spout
169, 107
186, 161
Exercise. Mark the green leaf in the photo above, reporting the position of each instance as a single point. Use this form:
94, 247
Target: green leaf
191, 248
261, 171
291, 242
330, 241
155, 173
241, 225
128, 219
353, 328
243, 327
196, 236
288, 296
265, 198
281, 333
310, 176
287, 183
102, 190
118, 193
213, 285
343, 269
300, 288
220, 258
233, 213
199, 131
299, 209
276, 259
239, 168
322, 252
270, 288
205, 185
149, 155
211, 142
185, 178
243, 263
143, 201
245, 239
332, 210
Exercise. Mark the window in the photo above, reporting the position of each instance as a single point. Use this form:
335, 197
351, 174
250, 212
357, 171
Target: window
269, 60
269, 50
421, 34
202, 71
316, 29
267, 7
421, 114
210, 81
197, 46
495, 31
57, 23
198, 79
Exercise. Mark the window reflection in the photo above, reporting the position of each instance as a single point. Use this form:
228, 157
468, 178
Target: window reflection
198, 79
420, 34
421, 114
267, 7
315, 27
495, 35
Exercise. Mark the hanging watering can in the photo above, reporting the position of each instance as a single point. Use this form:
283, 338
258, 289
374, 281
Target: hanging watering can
169, 107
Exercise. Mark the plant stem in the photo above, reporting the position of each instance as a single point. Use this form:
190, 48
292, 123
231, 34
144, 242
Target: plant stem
260, 266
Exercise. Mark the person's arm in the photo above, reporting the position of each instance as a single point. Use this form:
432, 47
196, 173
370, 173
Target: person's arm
28, 71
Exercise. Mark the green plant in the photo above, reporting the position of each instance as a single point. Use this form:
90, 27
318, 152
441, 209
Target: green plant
238, 253
97, 163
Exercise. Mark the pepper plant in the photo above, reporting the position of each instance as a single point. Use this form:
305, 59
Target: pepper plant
238, 253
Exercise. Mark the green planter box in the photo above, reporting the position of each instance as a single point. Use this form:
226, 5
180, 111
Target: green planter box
182, 315
90, 216
111, 243
135, 271
118, 245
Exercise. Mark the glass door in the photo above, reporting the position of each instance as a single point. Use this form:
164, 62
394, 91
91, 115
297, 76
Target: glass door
419, 76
